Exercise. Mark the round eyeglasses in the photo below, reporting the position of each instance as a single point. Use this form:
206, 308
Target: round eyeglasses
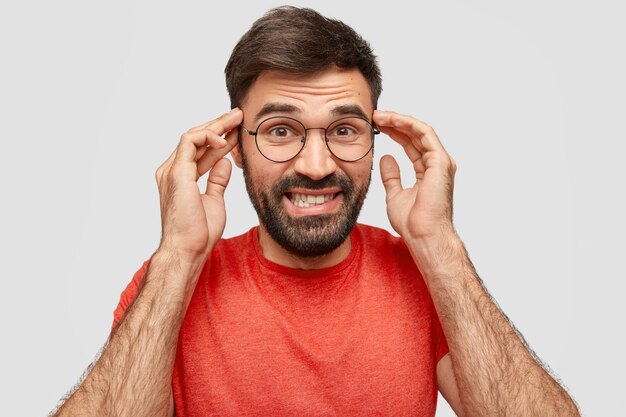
281, 138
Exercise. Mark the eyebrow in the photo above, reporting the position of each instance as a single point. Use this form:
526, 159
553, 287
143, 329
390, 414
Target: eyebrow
349, 110
274, 107
290, 109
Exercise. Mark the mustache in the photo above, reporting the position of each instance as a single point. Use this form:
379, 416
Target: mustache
302, 181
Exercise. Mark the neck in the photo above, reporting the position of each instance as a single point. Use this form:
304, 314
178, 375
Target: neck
277, 254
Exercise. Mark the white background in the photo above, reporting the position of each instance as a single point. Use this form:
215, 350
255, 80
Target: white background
528, 98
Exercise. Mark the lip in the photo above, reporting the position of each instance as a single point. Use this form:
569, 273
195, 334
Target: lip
327, 207
328, 190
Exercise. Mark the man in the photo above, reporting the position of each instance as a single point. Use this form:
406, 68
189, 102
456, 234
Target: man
309, 313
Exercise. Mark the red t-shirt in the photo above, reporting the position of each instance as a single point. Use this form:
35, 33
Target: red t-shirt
359, 338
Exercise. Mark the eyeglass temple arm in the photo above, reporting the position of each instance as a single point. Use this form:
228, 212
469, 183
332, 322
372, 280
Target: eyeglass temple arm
249, 132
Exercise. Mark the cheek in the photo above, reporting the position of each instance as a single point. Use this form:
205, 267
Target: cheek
253, 160
263, 174
359, 171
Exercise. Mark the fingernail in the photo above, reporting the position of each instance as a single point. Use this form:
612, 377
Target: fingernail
233, 110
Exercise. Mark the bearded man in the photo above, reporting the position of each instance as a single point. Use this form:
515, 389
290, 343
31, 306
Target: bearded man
310, 313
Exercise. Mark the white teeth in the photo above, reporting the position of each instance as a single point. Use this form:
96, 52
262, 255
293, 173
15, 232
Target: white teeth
308, 200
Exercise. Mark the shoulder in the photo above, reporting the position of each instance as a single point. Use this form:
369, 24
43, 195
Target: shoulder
238, 242
379, 243
378, 237
227, 250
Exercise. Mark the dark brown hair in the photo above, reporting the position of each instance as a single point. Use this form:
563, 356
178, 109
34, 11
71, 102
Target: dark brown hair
298, 41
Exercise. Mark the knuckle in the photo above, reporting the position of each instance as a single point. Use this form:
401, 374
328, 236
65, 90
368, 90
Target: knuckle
160, 171
209, 135
211, 132
217, 126
185, 137
219, 179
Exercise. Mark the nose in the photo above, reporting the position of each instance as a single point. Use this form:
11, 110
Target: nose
315, 160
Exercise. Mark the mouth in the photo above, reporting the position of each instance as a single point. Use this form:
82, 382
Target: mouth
307, 202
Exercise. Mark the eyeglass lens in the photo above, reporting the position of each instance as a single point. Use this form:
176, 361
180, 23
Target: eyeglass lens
282, 138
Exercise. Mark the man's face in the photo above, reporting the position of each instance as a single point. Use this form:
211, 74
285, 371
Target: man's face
310, 203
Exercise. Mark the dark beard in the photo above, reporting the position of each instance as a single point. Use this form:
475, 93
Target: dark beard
307, 236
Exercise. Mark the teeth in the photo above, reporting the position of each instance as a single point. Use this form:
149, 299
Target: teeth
308, 200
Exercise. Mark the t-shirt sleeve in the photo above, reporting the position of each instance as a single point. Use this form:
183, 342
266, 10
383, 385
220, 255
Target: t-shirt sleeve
129, 294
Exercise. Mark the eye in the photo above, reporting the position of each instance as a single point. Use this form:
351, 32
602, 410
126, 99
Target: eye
343, 131
280, 128
281, 131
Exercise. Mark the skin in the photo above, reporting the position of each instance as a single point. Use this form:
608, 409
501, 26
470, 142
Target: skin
314, 97
488, 372
133, 375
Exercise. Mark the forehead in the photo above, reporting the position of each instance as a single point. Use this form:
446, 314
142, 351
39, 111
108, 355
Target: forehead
312, 97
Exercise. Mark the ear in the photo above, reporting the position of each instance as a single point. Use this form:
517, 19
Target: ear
236, 154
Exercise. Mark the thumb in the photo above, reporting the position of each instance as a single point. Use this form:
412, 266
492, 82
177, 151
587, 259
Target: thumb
218, 178
390, 174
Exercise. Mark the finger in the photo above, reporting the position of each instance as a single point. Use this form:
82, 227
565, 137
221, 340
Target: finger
212, 155
209, 124
211, 135
218, 178
404, 141
164, 167
405, 122
396, 122
193, 142
203, 149
222, 122
390, 174
398, 136
226, 122
422, 135
416, 157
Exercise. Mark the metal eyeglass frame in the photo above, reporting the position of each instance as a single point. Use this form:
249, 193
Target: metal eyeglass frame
306, 129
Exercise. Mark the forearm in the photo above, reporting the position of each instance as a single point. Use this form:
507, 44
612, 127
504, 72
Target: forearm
132, 377
495, 372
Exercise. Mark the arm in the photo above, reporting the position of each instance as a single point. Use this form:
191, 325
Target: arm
133, 375
495, 373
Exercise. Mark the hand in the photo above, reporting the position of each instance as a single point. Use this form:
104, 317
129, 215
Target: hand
193, 222
424, 211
